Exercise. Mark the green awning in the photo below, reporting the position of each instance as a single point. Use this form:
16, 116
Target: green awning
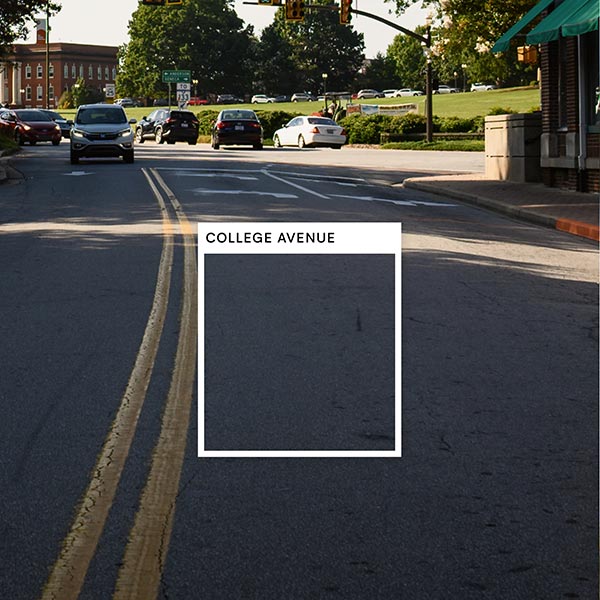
504, 42
549, 29
584, 20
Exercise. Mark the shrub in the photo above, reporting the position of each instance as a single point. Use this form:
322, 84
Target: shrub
456, 125
66, 100
205, 120
498, 110
365, 129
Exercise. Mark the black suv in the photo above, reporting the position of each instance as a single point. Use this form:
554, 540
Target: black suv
164, 125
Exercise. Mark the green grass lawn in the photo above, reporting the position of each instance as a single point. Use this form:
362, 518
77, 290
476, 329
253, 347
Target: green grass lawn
467, 104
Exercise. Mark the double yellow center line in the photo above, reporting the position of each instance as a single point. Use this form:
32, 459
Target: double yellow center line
145, 554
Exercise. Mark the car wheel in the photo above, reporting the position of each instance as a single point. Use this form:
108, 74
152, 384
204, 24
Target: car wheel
192, 142
158, 136
139, 138
170, 141
258, 146
301, 142
55, 142
214, 144
74, 158
276, 142
128, 157
32, 142
337, 146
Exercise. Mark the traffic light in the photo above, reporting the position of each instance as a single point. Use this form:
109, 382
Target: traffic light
294, 10
345, 12
153, 2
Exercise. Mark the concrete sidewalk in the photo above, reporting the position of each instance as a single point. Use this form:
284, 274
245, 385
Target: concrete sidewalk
573, 212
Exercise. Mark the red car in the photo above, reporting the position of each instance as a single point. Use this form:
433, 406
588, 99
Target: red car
8, 122
194, 101
35, 126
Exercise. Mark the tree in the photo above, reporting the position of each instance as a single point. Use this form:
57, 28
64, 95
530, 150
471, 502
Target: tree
15, 16
465, 31
203, 36
406, 53
321, 45
379, 73
275, 70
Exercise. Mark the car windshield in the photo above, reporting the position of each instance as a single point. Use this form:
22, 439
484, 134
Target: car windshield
33, 115
101, 115
233, 115
54, 115
321, 121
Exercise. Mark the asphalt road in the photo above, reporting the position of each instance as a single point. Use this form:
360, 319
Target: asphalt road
496, 493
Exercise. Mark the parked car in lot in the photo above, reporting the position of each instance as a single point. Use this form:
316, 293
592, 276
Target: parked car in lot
196, 101
65, 128
482, 87
160, 102
35, 126
408, 92
364, 94
310, 131
228, 99
303, 97
164, 125
126, 102
262, 99
389, 93
445, 89
237, 127
101, 130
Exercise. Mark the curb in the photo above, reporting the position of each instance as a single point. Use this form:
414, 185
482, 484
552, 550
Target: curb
567, 225
7, 171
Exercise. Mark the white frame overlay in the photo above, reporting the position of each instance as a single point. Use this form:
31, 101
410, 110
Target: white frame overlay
348, 238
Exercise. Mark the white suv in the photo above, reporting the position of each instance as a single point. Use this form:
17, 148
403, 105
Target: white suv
101, 130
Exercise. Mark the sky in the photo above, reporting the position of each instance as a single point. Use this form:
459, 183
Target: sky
105, 22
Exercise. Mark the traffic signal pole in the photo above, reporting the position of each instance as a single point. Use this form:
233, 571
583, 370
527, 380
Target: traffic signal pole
424, 40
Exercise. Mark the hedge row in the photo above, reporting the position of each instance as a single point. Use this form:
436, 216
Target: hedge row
365, 129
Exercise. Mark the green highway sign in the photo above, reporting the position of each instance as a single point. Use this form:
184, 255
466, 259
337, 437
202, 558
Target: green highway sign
176, 76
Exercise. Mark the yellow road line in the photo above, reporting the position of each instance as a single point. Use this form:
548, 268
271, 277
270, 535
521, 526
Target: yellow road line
146, 552
78, 548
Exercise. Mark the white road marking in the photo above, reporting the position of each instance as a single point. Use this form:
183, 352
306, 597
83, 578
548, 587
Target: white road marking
308, 191
231, 176
397, 202
235, 192
77, 173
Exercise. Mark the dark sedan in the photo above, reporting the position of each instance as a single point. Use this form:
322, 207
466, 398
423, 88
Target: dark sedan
164, 125
237, 127
35, 126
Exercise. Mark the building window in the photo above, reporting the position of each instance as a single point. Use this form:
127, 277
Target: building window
27, 71
73, 71
51, 70
81, 71
114, 73
28, 93
99, 73
39, 71
106, 73
66, 71
90, 72
51, 93
39, 92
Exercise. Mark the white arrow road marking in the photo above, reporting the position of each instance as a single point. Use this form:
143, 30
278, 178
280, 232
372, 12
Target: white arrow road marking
242, 177
333, 178
295, 185
77, 173
234, 192
397, 202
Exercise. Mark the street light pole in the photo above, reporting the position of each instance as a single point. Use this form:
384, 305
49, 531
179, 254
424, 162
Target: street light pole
48, 54
325, 91
429, 85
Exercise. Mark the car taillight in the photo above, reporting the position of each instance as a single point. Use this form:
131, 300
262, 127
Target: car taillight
169, 120
220, 125
343, 132
255, 125
315, 130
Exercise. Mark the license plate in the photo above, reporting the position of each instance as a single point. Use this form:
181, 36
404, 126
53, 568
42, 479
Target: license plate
330, 131
239, 128
184, 124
